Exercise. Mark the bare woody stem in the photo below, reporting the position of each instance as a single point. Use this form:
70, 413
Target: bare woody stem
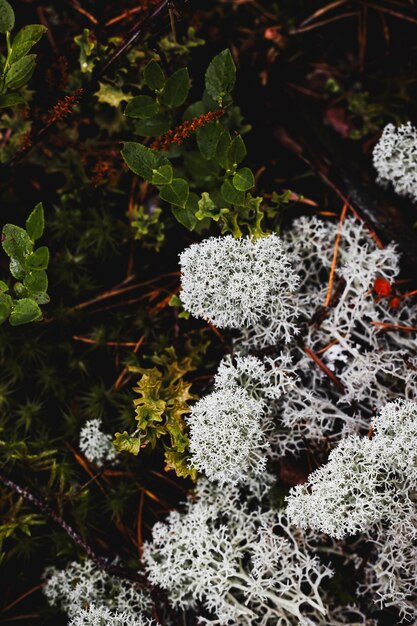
101, 562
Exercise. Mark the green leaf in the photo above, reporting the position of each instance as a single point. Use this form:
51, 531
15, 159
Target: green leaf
25, 311
231, 194
180, 463
6, 303
154, 76
39, 259
35, 223
17, 268
3, 286
153, 126
175, 300
193, 110
208, 139
223, 150
124, 442
36, 282
176, 192
237, 151
20, 290
244, 180
10, 100
16, 242
143, 107
186, 215
176, 88
220, 76
163, 175
40, 297
111, 95
86, 43
208, 208
25, 40
201, 169
21, 72
6, 17
142, 160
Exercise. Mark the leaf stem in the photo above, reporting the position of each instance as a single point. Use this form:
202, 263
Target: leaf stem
6, 63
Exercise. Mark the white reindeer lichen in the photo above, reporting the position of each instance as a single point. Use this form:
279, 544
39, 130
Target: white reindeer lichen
233, 282
95, 444
395, 159
241, 562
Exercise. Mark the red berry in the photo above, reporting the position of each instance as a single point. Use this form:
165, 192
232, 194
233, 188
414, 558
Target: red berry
395, 303
382, 287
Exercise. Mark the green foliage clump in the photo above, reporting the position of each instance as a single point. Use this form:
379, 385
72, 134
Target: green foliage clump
148, 226
18, 65
203, 182
28, 266
160, 408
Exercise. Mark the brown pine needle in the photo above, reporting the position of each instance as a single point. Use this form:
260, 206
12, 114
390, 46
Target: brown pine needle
324, 368
402, 16
123, 373
128, 344
155, 498
321, 11
168, 480
18, 618
22, 597
388, 326
119, 289
329, 345
215, 331
330, 20
372, 233
124, 15
335, 252
409, 293
77, 6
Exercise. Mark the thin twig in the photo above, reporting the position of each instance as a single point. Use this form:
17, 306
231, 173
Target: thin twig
388, 326
119, 289
101, 562
133, 35
123, 15
391, 12
121, 377
116, 344
372, 233
329, 345
409, 293
44, 22
18, 618
330, 20
321, 11
77, 6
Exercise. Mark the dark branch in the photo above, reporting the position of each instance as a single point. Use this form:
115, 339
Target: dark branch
101, 562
